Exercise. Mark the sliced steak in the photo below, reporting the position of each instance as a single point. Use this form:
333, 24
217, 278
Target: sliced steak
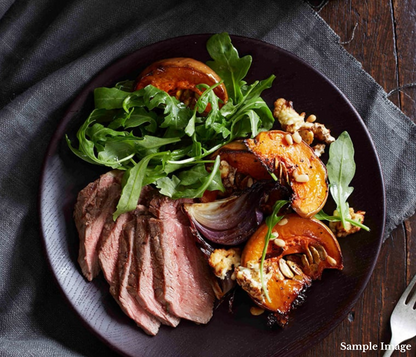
156, 272
109, 246
94, 205
110, 242
126, 266
144, 280
164, 207
183, 278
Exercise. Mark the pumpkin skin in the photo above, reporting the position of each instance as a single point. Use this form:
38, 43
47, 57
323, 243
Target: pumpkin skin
290, 161
238, 156
176, 75
299, 235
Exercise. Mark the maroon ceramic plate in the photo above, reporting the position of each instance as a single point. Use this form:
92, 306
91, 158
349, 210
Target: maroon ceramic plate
328, 301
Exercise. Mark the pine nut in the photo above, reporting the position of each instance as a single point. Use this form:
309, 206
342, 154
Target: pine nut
311, 118
296, 137
278, 275
283, 222
289, 139
301, 178
274, 235
279, 242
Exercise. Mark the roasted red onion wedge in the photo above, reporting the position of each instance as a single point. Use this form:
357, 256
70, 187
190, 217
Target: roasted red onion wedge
229, 221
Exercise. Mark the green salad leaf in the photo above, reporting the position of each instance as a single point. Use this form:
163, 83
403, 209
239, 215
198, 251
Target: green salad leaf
322, 216
134, 179
228, 65
341, 171
158, 140
271, 221
192, 182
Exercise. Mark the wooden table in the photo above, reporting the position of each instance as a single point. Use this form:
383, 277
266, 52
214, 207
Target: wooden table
381, 34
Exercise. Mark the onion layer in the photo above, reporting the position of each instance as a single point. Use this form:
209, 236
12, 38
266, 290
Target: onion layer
228, 221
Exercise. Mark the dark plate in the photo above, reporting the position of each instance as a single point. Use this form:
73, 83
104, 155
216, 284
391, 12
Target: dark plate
328, 301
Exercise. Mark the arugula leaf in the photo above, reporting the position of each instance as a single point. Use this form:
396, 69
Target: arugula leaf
114, 153
80, 153
176, 113
255, 90
208, 99
86, 150
271, 221
192, 183
99, 133
341, 170
190, 127
133, 183
150, 144
127, 85
322, 216
251, 108
227, 64
140, 116
109, 98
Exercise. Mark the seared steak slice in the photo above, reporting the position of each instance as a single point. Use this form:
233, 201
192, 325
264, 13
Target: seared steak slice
109, 246
94, 205
110, 242
126, 266
183, 281
164, 207
144, 279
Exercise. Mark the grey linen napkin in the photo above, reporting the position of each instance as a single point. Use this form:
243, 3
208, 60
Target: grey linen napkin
49, 50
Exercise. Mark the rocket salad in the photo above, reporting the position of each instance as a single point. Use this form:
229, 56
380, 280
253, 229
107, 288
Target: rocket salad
159, 140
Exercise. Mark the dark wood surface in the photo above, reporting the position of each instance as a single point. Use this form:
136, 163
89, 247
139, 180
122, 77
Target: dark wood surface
381, 34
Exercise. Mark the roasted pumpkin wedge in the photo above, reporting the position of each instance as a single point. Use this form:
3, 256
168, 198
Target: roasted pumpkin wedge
245, 162
296, 163
300, 250
179, 77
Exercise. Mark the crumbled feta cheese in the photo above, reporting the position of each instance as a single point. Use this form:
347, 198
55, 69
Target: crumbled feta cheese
250, 280
224, 260
319, 149
287, 116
